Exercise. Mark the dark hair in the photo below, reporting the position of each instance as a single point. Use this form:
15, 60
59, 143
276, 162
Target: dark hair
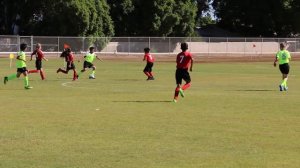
184, 46
91, 48
147, 49
282, 45
66, 52
23, 46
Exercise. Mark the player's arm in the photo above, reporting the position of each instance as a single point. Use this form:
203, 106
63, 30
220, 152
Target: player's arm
99, 58
275, 61
192, 62
45, 59
34, 52
19, 58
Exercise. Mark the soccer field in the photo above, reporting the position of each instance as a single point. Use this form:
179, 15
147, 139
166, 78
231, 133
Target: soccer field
233, 116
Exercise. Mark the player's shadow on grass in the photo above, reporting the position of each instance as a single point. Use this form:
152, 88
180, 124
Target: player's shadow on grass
143, 101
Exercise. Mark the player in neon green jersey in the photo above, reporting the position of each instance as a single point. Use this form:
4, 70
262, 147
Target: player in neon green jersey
21, 68
283, 57
88, 63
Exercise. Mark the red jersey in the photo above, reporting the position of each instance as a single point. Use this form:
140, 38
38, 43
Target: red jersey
184, 60
149, 57
70, 58
39, 55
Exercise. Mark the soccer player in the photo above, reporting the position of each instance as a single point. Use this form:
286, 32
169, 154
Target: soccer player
184, 62
21, 67
69, 58
149, 65
283, 57
39, 55
88, 63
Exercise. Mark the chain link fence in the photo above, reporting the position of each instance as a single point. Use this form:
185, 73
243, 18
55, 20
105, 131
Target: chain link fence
158, 45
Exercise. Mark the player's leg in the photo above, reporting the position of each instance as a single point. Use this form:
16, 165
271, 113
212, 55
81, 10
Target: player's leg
74, 71
146, 71
150, 72
284, 68
26, 79
92, 75
178, 76
13, 76
83, 69
10, 77
33, 71
62, 70
187, 79
42, 74
37, 65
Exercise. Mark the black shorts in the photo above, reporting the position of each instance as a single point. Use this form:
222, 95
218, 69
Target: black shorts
70, 67
38, 64
87, 65
148, 67
182, 74
284, 68
22, 70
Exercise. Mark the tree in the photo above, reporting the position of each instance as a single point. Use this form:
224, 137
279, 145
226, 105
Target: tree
121, 12
254, 17
153, 17
63, 18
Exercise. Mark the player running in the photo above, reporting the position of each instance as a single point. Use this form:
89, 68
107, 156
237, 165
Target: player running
39, 56
21, 67
150, 60
283, 57
184, 62
69, 58
88, 63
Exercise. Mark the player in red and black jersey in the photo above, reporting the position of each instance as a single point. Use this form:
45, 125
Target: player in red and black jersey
184, 62
150, 60
39, 56
69, 58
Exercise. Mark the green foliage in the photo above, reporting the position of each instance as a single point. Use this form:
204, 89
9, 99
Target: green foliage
204, 21
154, 17
255, 18
63, 18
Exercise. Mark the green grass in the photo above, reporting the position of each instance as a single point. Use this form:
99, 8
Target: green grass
233, 116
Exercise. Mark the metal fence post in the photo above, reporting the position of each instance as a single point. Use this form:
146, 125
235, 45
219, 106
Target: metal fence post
208, 46
58, 49
245, 42
226, 46
31, 38
170, 45
129, 45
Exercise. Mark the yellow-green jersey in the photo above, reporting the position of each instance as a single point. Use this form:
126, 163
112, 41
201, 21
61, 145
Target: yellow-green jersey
22, 56
89, 57
283, 57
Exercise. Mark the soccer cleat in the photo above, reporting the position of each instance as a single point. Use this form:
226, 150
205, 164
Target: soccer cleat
181, 92
5, 80
28, 87
151, 78
280, 88
92, 77
174, 101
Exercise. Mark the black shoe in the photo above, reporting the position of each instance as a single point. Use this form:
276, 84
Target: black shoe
5, 80
151, 78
